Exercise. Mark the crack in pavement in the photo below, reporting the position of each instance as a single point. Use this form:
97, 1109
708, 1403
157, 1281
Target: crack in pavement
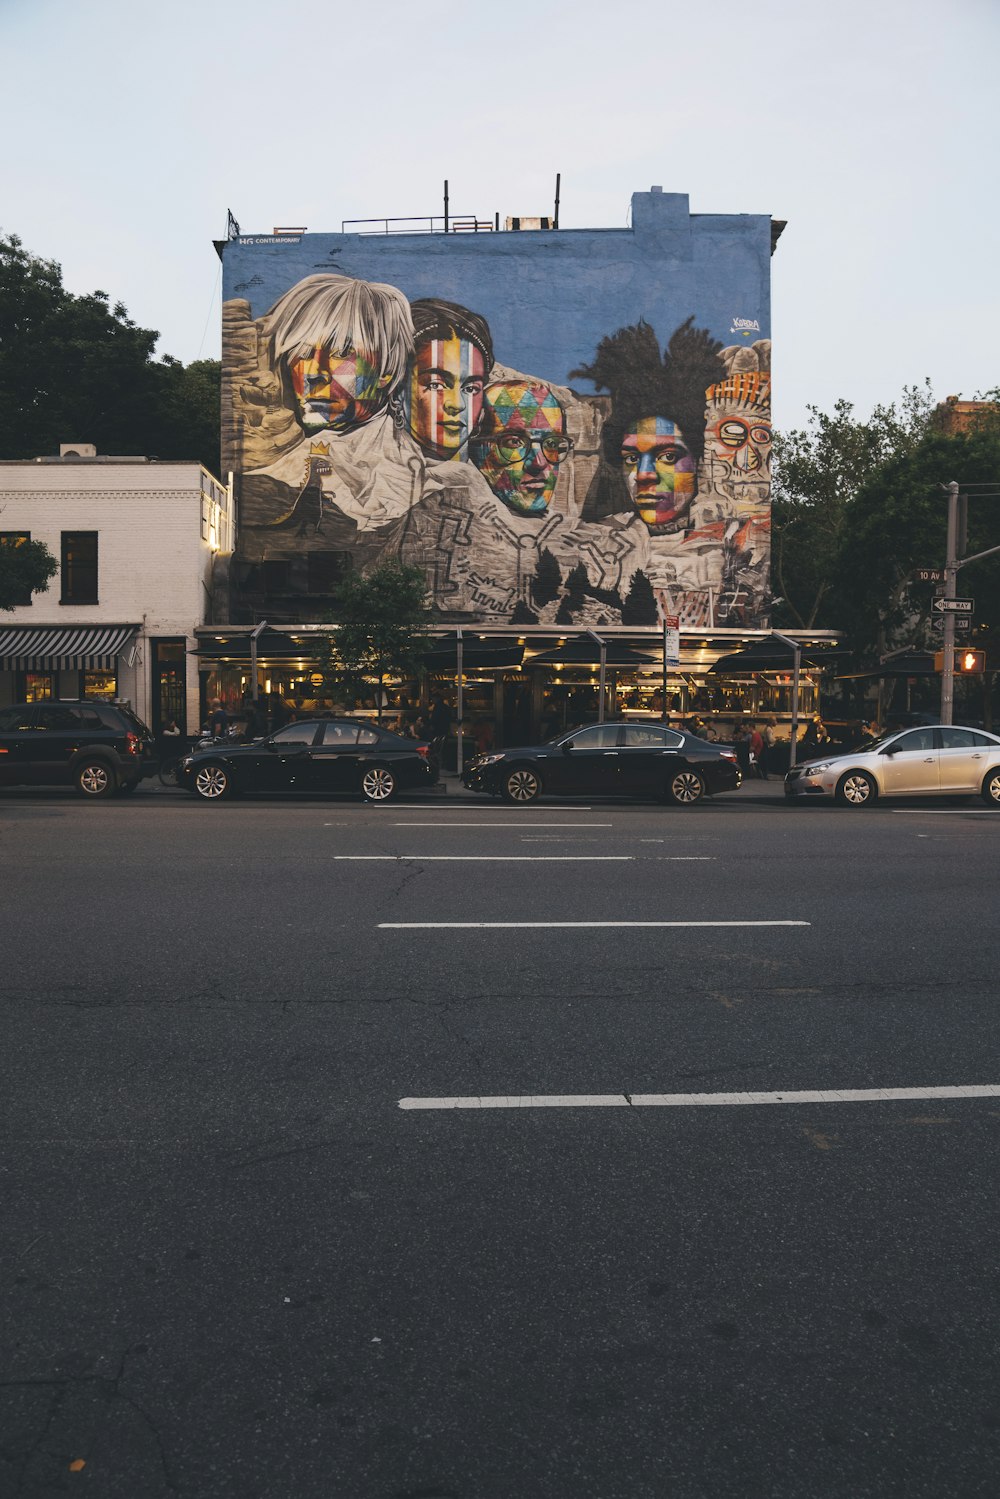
111, 1389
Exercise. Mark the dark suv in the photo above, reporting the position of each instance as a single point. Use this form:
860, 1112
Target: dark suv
98, 747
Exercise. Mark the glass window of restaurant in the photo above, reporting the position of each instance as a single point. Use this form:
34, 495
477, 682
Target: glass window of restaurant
102, 685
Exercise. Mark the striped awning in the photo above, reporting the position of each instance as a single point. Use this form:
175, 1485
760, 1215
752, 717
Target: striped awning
63, 647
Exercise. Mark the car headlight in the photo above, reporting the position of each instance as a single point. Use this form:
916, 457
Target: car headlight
187, 762
816, 770
488, 759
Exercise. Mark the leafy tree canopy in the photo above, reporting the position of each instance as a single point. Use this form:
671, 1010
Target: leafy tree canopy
25, 568
818, 471
381, 617
78, 369
897, 522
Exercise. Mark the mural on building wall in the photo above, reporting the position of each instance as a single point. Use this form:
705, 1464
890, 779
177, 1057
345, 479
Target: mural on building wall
366, 426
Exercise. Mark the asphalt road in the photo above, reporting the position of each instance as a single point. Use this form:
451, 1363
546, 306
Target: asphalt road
235, 1266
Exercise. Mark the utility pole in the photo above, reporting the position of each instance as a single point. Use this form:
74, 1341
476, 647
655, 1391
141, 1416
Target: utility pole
957, 542
950, 574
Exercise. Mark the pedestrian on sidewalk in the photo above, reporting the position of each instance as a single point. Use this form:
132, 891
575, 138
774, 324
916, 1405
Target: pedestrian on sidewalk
766, 755
756, 750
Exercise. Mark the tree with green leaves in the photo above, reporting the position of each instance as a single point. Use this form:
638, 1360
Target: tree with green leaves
25, 568
78, 369
897, 522
381, 618
818, 471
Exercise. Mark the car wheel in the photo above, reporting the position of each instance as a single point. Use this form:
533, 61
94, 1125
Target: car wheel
685, 788
378, 784
212, 782
991, 787
856, 789
95, 778
521, 785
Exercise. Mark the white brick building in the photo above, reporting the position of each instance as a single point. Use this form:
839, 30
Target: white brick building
138, 543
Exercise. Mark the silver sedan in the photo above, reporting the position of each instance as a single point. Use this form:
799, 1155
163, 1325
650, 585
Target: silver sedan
929, 761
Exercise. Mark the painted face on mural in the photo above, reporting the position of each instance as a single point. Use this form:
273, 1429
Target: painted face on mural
445, 396
659, 472
336, 391
521, 444
738, 434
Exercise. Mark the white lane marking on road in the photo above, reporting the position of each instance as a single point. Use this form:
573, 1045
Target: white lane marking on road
461, 806
440, 926
487, 858
697, 1100
685, 858
502, 824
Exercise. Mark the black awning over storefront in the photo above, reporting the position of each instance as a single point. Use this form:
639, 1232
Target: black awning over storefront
63, 647
906, 664
477, 655
774, 655
272, 646
588, 653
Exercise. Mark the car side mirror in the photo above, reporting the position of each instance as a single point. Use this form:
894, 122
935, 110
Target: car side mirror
890, 749
567, 746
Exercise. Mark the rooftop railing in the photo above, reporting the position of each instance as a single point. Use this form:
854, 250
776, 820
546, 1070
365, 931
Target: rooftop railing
461, 223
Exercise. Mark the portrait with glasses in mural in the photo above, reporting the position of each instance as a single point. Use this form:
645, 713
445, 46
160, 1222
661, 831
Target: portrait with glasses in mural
520, 444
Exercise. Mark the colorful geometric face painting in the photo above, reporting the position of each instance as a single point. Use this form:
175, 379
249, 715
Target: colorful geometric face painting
336, 389
339, 347
659, 471
521, 443
452, 357
612, 439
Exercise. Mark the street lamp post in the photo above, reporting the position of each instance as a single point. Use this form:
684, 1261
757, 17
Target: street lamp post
796, 670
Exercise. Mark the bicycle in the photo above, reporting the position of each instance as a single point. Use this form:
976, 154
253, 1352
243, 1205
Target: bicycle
168, 769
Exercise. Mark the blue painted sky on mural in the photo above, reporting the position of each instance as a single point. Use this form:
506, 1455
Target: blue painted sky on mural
870, 127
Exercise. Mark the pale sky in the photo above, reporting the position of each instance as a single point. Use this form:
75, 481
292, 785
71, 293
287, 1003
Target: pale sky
872, 126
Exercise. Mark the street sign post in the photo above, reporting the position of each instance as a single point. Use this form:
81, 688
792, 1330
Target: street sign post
962, 622
953, 606
928, 575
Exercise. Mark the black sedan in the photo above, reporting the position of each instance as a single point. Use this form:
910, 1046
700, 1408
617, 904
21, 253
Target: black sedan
610, 759
313, 757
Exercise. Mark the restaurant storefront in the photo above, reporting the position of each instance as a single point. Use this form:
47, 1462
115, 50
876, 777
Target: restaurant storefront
511, 685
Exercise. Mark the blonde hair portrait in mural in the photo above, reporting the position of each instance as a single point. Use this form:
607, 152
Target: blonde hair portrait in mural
340, 347
334, 353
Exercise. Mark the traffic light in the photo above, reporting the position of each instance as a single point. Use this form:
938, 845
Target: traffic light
968, 661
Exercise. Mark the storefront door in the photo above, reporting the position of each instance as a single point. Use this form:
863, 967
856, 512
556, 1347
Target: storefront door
169, 684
